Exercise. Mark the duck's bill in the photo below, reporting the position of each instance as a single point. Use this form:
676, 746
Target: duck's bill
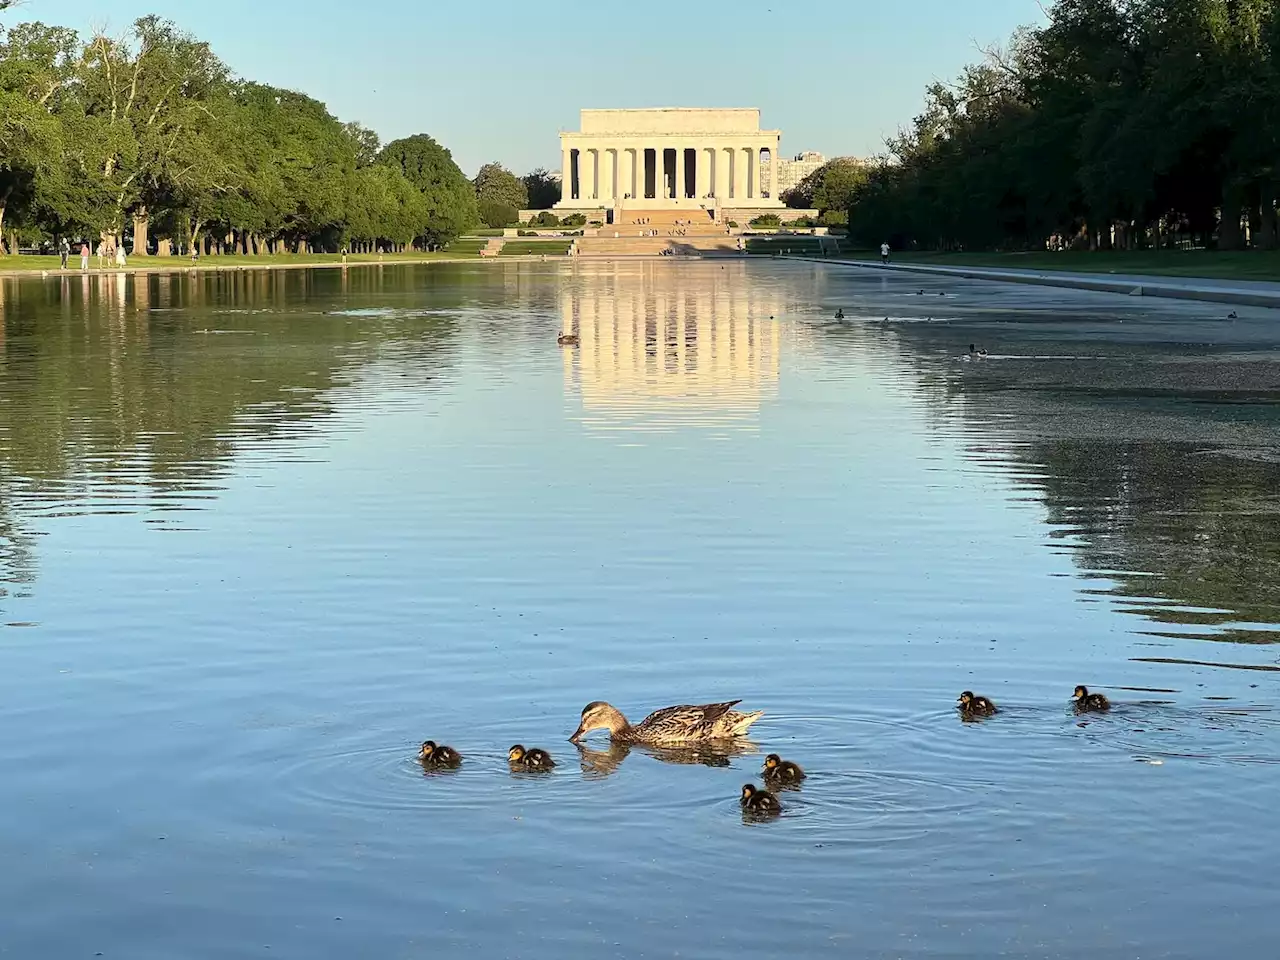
577, 734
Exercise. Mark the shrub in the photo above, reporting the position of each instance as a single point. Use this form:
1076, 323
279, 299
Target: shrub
496, 214
800, 223
766, 220
574, 220
545, 219
834, 218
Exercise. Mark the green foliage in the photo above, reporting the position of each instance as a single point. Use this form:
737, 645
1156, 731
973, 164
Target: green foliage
830, 187
1143, 123
542, 188
766, 221
495, 213
574, 220
149, 130
448, 195
496, 184
545, 219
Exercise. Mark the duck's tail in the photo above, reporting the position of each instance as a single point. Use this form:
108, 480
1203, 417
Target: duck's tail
741, 721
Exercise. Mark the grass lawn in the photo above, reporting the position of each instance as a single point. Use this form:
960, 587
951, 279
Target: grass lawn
1233, 265
524, 248
37, 263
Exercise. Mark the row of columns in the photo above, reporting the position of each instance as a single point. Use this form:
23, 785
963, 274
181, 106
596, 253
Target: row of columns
608, 173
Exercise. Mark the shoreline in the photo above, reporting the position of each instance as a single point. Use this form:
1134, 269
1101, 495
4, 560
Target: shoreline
58, 273
1245, 293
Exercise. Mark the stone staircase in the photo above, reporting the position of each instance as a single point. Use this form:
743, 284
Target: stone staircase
493, 247
624, 246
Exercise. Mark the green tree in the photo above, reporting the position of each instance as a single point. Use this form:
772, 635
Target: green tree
448, 197
830, 187
543, 189
496, 213
496, 184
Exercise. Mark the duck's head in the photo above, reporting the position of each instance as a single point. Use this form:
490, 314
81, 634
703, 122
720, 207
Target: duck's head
966, 698
599, 715
772, 761
748, 791
1080, 693
428, 750
515, 754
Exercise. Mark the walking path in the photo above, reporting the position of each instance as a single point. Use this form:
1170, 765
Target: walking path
1253, 293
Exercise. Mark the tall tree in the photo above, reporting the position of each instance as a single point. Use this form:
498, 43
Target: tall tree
448, 197
496, 184
543, 188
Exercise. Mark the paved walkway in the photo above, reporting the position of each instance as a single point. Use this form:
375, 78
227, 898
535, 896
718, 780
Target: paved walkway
1253, 293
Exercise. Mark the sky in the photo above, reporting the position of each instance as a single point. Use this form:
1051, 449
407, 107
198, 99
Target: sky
496, 80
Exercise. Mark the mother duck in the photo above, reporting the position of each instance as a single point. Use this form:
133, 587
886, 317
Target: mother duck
669, 726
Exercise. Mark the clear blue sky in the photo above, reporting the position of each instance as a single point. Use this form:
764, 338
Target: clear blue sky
496, 79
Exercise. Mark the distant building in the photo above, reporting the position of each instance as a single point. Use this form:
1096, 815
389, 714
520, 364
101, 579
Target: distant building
791, 172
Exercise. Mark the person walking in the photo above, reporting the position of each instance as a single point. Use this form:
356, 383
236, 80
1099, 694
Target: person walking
884, 253
64, 250
121, 260
84, 256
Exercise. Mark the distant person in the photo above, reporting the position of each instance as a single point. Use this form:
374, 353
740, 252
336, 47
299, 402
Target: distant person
840, 313
884, 253
121, 259
64, 251
101, 250
84, 257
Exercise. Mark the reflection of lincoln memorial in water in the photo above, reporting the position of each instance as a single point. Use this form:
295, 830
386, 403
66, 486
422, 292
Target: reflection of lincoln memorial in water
671, 341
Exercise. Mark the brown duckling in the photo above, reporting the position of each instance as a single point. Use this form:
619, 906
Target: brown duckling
1086, 702
759, 801
433, 755
972, 705
534, 759
567, 340
782, 771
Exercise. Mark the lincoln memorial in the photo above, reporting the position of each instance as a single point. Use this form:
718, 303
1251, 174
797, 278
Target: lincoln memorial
668, 159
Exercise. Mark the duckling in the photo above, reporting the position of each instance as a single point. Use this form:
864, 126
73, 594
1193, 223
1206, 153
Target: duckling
1233, 316
534, 759
567, 340
975, 706
840, 313
1086, 702
920, 293
782, 771
759, 801
432, 755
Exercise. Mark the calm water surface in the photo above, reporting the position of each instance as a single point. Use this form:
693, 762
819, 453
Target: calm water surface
260, 534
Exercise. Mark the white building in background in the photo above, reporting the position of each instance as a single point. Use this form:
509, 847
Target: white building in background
668, 159
791, 172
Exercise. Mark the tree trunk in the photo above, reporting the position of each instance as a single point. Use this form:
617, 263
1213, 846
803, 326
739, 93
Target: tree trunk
1229, 237
1267, 216
141, 223
164, 248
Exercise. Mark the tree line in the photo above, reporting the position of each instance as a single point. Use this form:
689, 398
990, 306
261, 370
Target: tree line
149, 138
1117, 124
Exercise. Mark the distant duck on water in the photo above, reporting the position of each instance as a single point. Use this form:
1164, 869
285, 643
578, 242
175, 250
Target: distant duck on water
532, 759
567, 340
438, 757
777, 770
971, 705
1086, 702
758, 801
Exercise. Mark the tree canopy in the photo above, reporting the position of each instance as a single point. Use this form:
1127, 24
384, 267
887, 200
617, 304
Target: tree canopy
148, 134
496, 184
830, 188
543, 188
449, 199
1117, 123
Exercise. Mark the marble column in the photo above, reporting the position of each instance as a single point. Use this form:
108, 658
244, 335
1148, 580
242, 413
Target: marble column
609, 181
739, 176
702, 173
566, 174
722, 175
